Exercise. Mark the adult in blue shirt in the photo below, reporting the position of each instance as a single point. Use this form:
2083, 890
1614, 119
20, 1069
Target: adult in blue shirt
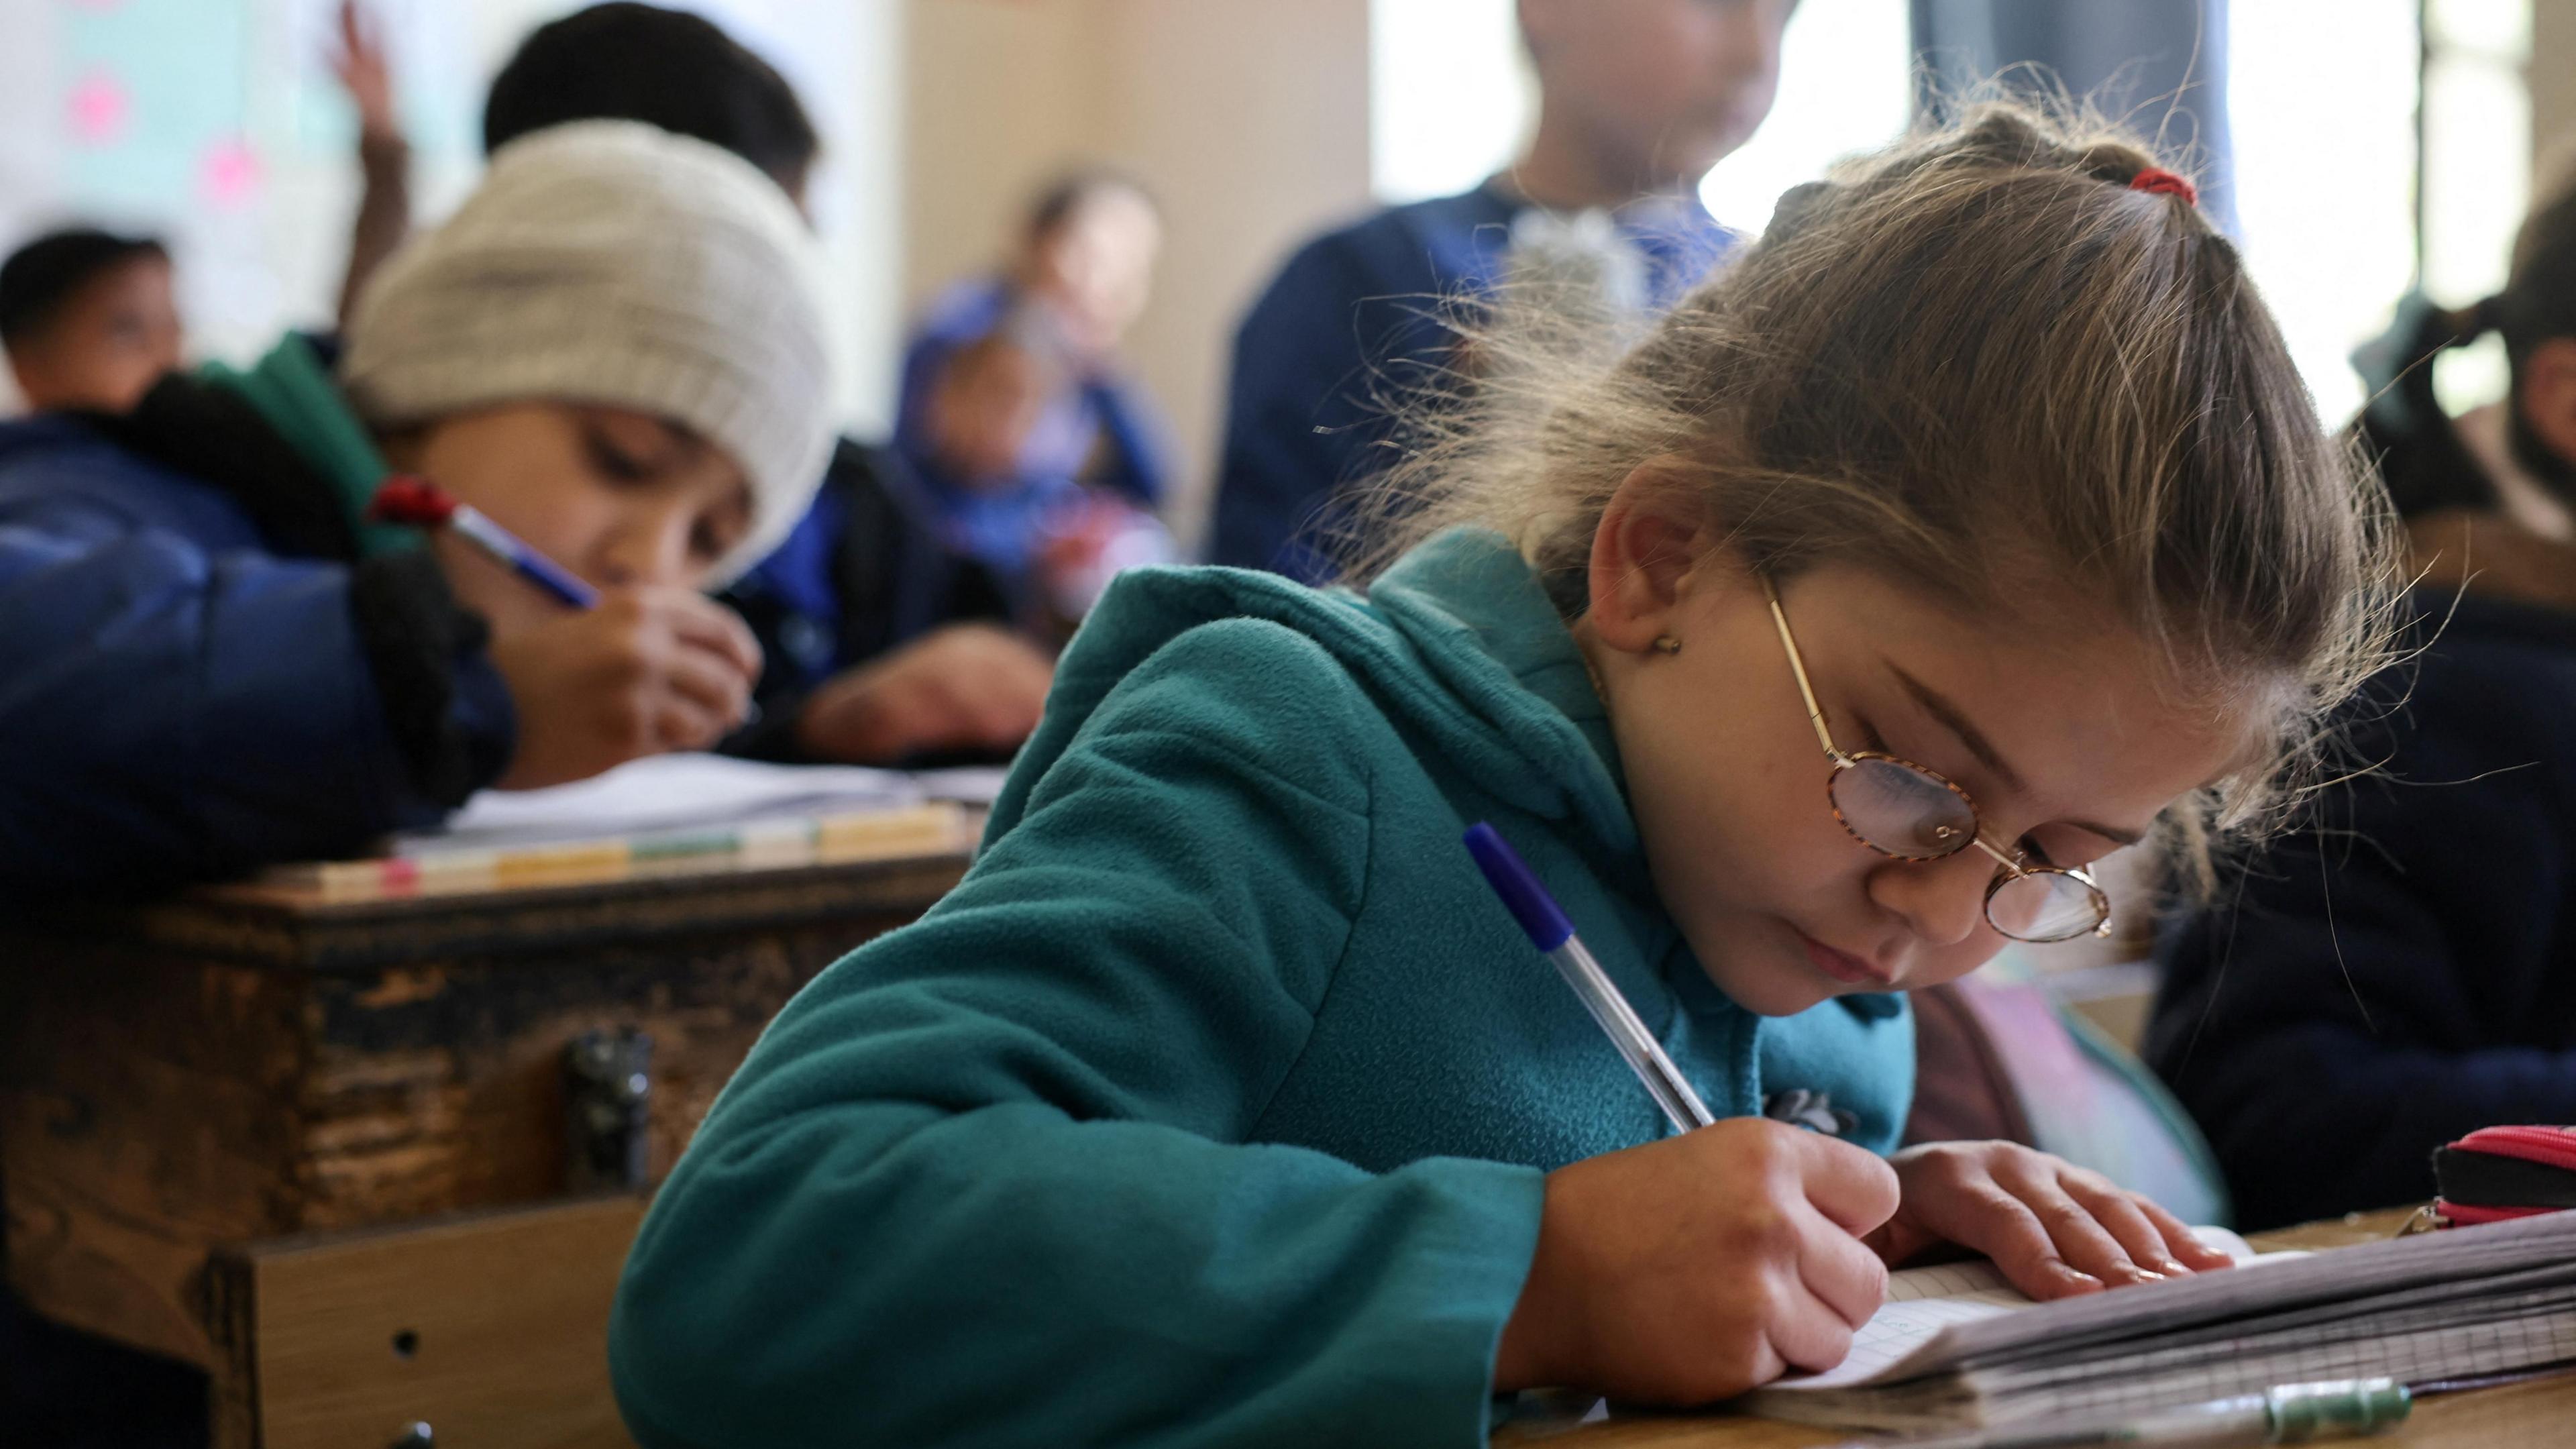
1637, 100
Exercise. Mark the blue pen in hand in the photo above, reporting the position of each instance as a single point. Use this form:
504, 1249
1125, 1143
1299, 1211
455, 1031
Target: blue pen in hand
1553, 935
424, 504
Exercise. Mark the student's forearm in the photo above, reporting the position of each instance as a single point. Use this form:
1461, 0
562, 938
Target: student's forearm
184, 715
892, 1273
384, 214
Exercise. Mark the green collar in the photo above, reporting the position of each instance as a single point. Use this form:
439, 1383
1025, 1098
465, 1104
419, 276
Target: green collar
293, 393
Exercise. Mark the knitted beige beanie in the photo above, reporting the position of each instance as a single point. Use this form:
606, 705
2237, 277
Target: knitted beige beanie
613, 263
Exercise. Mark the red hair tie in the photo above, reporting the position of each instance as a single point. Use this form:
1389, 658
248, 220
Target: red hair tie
2165, 183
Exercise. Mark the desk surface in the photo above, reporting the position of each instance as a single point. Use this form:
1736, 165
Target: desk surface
2537, 1413
252, 926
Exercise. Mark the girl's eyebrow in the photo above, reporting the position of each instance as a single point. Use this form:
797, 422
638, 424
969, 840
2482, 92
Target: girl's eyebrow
1938, 705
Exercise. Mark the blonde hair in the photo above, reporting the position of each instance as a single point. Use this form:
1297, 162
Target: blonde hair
1976, 362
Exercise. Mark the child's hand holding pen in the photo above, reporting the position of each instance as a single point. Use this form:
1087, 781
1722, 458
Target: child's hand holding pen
1699, 1266
647, 671
597, 676
1696, 1267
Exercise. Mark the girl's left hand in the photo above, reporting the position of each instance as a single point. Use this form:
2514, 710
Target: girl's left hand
2055, 1229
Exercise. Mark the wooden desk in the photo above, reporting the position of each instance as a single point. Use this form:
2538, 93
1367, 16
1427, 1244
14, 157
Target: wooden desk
2540, 1414
205, 1076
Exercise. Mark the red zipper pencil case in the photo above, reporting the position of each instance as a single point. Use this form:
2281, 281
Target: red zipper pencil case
2497, 1173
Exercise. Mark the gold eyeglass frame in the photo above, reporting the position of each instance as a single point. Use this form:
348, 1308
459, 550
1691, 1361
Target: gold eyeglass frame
2011, 867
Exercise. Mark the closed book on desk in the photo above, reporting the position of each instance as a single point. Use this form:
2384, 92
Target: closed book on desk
1954, 1347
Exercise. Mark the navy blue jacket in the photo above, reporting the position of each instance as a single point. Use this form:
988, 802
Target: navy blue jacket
2404, 971
196, 675
866, 571
1350, 327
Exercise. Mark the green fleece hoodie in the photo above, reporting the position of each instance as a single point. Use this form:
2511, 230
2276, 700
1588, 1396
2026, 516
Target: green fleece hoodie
1213, 1106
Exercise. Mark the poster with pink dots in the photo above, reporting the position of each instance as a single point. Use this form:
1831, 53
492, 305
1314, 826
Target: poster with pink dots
217, 126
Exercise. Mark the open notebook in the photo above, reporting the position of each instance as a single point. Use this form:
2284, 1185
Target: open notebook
1954, 1347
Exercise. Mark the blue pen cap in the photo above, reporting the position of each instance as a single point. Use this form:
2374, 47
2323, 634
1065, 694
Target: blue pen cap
1523, 896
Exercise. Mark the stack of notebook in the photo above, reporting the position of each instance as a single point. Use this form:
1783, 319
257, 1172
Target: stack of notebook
662, 815
1954, 1348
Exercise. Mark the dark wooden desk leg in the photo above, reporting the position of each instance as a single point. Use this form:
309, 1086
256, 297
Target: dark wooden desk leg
232, 1393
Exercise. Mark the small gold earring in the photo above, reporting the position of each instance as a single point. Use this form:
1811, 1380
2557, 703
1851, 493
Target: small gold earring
1667, 644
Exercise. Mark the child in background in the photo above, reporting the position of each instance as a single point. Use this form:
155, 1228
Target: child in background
88, 319
1222, 1103
1637, 100
2402, 974
210, 659
1044, 459
881, 644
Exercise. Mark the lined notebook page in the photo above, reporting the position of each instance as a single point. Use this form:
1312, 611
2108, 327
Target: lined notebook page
1920, 1303
1923, 1301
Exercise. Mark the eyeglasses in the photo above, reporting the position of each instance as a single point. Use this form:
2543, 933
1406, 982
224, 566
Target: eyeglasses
1899, 808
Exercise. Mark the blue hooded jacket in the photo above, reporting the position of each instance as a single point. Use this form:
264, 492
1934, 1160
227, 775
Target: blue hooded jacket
1213, 1106
207, 662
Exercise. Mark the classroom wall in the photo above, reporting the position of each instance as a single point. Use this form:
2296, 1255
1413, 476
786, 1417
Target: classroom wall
2553, 83
120, 114
1251, 123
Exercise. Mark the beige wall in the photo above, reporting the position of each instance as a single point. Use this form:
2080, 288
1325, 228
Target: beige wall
2553, 81
1250, 121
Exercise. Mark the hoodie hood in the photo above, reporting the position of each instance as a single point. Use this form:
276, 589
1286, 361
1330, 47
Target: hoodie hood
1457, 642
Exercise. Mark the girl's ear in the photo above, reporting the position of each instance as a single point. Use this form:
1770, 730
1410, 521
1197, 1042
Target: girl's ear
1651, 535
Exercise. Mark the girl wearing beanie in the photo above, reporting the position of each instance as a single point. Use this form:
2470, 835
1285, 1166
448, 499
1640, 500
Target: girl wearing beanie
210, 658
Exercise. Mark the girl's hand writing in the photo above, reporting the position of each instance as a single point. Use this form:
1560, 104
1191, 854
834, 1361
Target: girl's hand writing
2055, 1229
1694, 1268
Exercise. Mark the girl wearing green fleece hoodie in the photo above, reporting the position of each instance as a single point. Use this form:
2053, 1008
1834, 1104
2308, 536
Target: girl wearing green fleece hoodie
1973, 525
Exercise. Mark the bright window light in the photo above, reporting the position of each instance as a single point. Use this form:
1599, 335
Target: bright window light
1844, 88
2321, 102
1450, 95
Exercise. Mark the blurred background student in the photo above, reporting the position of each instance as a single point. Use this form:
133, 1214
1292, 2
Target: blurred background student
1045, 457
88, 318
2404, 972
1637, 100
881, 643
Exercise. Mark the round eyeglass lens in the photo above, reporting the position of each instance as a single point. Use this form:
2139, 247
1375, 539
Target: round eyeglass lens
1902, 810
2045, 905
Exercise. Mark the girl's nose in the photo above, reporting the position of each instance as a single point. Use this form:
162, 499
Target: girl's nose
1942, 901
650, 547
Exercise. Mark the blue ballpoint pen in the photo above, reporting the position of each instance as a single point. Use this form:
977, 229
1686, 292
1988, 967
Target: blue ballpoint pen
1553, 935
424, 504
